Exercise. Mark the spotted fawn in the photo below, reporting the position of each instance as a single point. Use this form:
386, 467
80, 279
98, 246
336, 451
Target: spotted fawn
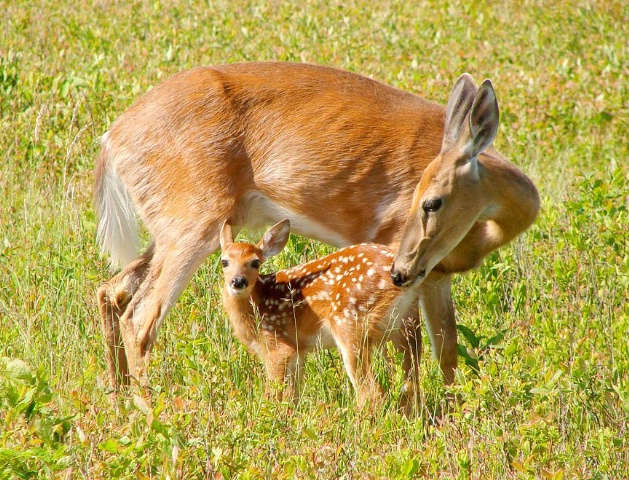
345, 299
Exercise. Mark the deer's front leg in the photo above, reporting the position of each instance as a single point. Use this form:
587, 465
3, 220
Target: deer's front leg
436, 304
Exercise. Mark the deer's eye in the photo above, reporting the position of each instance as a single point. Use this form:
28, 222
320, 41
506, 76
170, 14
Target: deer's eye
255, 264
224, 263
432, 205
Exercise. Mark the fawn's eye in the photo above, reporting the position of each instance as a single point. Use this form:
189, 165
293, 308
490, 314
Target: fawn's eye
255, 264
224, 263
432, 205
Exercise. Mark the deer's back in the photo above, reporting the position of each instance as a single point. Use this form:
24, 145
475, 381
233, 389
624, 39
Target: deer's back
339, 149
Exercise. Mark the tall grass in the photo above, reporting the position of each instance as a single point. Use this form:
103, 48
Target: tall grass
543, 381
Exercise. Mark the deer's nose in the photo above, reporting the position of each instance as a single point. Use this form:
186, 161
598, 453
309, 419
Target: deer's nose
397, 278
400, 279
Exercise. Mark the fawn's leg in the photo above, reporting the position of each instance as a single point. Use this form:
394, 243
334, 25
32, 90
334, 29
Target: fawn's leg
114, 297
293, 376
285, 366
357, 360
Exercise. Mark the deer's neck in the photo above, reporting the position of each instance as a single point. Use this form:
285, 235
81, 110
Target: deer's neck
515, 202
512, 205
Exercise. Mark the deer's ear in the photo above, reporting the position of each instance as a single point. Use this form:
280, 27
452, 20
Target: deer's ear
479, 129
459, 104
226, 236
484, 116
275, 239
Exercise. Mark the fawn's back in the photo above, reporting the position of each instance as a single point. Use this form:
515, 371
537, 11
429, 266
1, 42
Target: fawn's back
348, 290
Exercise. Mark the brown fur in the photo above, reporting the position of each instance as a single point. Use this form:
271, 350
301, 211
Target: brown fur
486, 201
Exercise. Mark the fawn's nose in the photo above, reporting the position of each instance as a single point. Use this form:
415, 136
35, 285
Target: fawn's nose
238, 283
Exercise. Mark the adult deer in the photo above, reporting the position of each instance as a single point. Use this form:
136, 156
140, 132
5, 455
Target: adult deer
335, 152
345, 299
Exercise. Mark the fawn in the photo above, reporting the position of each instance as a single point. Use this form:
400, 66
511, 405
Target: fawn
345, 299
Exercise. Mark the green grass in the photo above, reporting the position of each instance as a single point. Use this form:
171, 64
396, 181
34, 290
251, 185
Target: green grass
549, 399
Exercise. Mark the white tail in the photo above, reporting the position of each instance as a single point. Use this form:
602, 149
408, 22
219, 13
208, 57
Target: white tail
336, 153
345, 299
117, 227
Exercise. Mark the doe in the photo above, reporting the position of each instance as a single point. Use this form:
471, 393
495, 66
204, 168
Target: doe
337, 153
345, 299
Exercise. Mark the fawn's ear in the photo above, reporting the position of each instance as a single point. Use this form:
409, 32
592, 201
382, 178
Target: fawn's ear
226, 236
275, 239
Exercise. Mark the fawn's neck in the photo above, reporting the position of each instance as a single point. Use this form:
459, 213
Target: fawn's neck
242, 311
269, 299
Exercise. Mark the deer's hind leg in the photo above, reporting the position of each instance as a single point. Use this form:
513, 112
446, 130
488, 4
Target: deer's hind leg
114, 296
172, 266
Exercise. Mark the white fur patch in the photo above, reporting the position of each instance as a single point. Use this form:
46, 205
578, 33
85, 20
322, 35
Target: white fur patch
257, 210
117, 232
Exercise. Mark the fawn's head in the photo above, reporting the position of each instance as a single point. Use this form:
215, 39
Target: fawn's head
241, 261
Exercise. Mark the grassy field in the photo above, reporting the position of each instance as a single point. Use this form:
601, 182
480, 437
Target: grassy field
546, 317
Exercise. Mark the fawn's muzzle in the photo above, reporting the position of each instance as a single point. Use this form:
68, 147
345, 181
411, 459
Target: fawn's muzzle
238, 283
